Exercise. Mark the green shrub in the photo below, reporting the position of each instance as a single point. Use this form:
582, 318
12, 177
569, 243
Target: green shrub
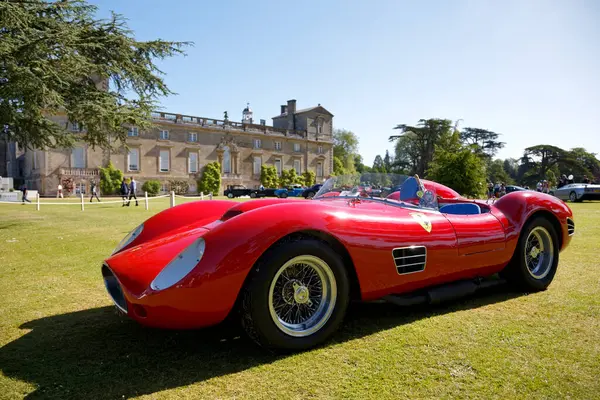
268, 176
110, 179
309, 178
180, 187
210, 182
152, 187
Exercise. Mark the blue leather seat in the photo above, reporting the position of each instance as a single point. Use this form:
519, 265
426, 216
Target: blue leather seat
409, 190
461, 209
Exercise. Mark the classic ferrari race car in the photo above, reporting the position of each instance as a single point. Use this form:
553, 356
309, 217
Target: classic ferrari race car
289, 269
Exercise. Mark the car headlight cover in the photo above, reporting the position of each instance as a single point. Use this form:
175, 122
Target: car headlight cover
129, 238
180, 266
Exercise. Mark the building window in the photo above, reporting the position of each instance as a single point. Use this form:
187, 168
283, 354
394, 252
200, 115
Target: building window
193, 163
164, 187
133, 131
164, 135
257, 143
278, 166
226, 160
277, 145
193, 188
320, 170
296, 146
133, 160
297, 166
78, 157
320, 150
74, 126
320, 127
192, 137
257, 165
164, 161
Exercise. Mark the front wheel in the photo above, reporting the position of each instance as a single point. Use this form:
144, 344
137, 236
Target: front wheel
283, 195
230, 195
573, 197
297, 296
535, 261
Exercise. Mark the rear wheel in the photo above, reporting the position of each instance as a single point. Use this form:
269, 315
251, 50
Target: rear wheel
535, 261
230, 195
297, 296
253, 195
310, 195
284, 195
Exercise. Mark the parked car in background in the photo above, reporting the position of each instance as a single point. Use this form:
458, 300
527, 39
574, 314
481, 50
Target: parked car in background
577, 192
310, 192
513, 188
291, 191
266, 192
238, 191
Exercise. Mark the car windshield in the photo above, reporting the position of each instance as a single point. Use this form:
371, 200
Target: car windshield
395, 188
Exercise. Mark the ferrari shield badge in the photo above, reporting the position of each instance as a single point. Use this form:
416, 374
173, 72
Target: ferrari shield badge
423, 220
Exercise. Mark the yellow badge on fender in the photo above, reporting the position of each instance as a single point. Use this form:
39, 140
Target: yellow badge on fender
423, 220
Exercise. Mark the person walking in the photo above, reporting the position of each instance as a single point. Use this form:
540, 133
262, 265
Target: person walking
132, 190
94, 190
124, 192
24, 190
59, 192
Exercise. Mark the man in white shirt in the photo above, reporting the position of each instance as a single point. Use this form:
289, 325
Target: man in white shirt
59, 192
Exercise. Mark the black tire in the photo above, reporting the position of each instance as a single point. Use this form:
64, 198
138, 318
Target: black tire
517, 270
230, 195
252, 195
284, 195
573, 197
256, 317
310, 195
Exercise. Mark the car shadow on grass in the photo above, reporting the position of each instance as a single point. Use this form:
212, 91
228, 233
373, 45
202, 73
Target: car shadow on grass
98, 354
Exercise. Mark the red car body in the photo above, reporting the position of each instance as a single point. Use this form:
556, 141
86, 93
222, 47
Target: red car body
365, 232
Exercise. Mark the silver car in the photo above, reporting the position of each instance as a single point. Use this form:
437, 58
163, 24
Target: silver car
578, 192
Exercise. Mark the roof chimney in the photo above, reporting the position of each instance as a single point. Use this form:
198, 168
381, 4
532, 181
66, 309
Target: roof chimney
291, 106
283, 109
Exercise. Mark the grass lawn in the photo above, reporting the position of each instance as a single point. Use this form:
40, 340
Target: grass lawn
60, 336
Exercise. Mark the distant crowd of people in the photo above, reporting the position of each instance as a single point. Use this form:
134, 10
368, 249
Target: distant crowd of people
495, 191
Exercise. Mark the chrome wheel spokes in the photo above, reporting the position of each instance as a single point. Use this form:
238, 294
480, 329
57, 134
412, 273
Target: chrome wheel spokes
302, 295
539, 252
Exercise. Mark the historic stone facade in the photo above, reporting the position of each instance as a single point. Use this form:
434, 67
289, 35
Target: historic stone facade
181, 145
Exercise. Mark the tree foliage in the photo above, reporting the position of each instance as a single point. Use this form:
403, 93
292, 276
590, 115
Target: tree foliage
496, 172
110, 179
483, 142
210, 182
268, 176
421, 141
457, 167
54, 54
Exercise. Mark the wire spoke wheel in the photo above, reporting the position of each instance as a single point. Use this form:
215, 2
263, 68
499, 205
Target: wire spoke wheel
302, 295
539, 252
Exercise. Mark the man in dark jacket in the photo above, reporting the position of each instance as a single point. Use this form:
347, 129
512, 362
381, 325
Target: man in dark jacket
124, 191
132, 190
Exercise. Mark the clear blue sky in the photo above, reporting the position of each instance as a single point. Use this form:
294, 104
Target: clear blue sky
527, 69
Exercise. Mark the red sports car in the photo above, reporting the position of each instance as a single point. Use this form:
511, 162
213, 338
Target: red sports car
288, 269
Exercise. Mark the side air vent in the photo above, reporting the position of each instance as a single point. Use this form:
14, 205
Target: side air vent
410, 259
570, 226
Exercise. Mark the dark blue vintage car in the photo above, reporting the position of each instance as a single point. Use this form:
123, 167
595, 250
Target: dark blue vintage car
291, 191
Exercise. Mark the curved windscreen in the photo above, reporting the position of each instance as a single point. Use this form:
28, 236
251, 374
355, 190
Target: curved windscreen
409, 190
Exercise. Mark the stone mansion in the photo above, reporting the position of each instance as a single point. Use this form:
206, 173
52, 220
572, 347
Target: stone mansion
181, 145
